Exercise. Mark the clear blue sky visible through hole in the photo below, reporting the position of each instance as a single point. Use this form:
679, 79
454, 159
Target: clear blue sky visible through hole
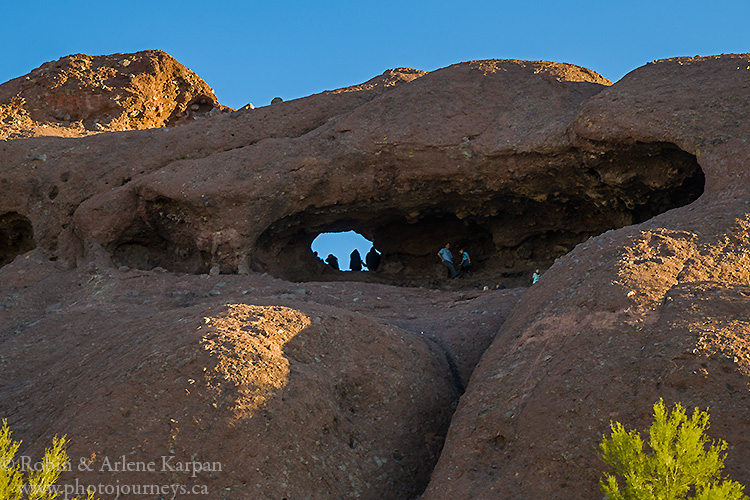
341, 245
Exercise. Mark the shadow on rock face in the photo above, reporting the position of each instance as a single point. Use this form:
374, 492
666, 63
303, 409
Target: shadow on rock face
161, 237
16, 236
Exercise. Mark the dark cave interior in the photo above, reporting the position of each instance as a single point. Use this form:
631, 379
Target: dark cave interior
558, 202
16, 236
508, 232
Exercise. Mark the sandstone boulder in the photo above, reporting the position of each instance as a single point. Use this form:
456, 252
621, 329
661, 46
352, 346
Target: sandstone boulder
284, 392
81, 95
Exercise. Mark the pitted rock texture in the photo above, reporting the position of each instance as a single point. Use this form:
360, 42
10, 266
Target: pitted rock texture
633, 197
479, 154
296, 392
81, 95
657, 310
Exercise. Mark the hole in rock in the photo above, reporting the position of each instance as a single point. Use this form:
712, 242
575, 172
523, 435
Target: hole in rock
541, 210
342, 245
16, 236
161, 237
200, 104
512, 214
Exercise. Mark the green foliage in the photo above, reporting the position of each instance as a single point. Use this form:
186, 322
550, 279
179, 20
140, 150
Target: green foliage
10, 478
41, 482
678, 464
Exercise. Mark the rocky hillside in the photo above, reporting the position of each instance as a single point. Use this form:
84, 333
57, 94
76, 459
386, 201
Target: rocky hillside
81, 95
159, 298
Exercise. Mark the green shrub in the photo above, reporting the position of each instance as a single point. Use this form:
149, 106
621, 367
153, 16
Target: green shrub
40, 483
677, 465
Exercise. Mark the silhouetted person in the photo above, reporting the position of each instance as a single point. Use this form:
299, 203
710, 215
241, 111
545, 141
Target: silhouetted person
372, 259
332, 261
355, 261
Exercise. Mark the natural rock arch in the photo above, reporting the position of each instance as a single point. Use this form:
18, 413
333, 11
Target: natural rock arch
500, 168
544, 206
509, 229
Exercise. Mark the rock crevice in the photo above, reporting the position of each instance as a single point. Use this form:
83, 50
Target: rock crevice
16, 236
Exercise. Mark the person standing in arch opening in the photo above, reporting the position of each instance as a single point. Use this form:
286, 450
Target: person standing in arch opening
465, 265
332, 261
355, 261
372, 260
446, 258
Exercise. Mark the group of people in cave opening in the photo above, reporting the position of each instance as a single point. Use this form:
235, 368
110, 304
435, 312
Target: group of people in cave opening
372, 260
446, 258
455, 269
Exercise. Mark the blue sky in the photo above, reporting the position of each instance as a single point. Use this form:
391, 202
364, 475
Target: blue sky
254, 51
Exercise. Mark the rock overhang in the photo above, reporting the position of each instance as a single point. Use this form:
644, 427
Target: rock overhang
507, 168
513, 213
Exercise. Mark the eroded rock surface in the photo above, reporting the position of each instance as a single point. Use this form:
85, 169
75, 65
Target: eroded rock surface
133, 286
81, 95
308, 392
657, 310
479, 154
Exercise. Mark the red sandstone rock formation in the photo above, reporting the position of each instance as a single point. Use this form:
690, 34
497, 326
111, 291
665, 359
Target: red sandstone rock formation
461, 154
112, 239
296, 393
649, 311
81, 95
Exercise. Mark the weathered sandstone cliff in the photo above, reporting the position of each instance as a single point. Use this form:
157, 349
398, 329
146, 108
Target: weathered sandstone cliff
158, 294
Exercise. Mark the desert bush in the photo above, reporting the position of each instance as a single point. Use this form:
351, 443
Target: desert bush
40, 482
681, 462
